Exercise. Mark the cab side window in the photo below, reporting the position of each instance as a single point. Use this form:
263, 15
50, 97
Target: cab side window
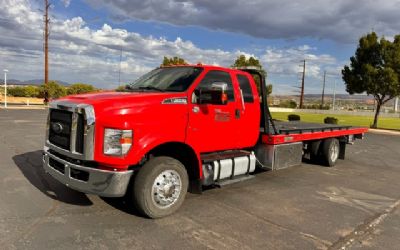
245, 86
215, 76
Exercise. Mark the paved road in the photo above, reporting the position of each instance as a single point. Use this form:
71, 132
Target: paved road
355, 204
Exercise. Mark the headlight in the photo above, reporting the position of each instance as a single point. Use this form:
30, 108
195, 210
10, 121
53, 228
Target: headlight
117, 141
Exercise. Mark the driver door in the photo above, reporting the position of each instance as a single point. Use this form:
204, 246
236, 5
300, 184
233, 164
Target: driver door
213, 127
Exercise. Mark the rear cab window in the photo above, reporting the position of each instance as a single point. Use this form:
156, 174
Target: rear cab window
245, 87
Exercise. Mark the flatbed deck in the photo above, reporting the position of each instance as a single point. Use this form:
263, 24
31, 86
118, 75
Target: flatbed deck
297, 127
296, 131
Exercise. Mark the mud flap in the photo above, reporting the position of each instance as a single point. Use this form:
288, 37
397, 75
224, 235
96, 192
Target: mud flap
342, 150
195, 187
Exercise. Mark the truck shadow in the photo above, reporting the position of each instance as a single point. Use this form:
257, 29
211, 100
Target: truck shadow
30, 164
123, 204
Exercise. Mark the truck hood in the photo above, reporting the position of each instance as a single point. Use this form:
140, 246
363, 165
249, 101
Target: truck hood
96, 98
112, 103
121, 98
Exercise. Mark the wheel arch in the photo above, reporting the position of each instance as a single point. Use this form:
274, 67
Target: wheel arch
187, 156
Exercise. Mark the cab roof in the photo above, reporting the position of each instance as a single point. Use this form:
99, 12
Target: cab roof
207, 67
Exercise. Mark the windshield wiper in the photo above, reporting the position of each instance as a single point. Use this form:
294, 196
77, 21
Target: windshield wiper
151, 88
142, 88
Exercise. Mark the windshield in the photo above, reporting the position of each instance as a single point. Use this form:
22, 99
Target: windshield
175, 79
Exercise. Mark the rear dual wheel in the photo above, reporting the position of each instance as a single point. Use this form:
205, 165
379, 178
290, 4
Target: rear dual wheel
330, 151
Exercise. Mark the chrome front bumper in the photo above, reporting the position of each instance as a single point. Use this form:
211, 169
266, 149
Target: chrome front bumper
87, 180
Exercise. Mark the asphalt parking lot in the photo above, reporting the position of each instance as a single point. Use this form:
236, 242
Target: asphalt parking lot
354, 205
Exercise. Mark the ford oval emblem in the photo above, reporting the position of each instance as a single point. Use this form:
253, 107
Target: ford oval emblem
57, 127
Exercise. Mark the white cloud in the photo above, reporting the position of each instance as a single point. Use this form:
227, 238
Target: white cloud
339, 20
79, 53
287, 61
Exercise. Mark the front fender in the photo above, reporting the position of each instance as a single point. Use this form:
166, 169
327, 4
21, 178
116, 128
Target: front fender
152, 126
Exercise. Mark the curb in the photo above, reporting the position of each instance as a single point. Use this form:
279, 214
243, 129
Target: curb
383, 131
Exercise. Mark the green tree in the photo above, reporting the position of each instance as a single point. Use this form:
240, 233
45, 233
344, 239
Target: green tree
375, 70
173, 61
121, 88
80, 88
242, 61
54, 89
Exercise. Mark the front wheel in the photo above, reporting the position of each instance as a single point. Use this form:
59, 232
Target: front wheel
330, 151
160, 187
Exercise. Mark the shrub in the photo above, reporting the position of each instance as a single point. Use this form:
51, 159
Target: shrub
293, 117
23, 91
330, 120
16, 91
32, 91
121, 88
288, 104
316, 106
80, 88
54, 90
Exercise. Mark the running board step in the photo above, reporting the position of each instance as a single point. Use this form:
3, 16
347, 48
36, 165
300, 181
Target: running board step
234, 180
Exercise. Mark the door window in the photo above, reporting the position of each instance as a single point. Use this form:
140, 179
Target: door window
215, 76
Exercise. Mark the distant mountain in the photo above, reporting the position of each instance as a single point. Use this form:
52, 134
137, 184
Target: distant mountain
318, 96
30, 82
339, 96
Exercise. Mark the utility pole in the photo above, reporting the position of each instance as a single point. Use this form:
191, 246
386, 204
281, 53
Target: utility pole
46, 51
323, 91
302, 84
5, 88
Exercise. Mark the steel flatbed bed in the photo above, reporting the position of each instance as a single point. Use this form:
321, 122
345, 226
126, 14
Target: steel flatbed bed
296, 131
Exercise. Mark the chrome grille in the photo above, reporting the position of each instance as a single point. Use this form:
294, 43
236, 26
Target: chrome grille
70, 129
60, 128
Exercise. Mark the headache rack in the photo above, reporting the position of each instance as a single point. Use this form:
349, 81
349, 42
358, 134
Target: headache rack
267, 125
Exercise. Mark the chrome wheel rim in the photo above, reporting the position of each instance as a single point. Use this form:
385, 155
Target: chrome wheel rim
334, 151
166, 189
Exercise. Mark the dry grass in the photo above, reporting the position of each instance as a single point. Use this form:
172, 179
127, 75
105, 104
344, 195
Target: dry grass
22, 100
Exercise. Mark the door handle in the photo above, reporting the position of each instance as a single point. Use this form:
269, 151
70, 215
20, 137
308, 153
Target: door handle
196, 109
237, 113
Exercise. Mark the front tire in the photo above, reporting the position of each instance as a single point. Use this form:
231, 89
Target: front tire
160, 187
330, 151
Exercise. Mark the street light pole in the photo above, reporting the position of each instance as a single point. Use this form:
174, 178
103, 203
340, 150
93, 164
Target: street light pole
334, 95
5, 88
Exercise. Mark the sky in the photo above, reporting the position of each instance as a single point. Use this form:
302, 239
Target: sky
112, 42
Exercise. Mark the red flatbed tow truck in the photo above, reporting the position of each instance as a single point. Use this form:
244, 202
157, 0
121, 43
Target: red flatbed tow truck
178, 129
